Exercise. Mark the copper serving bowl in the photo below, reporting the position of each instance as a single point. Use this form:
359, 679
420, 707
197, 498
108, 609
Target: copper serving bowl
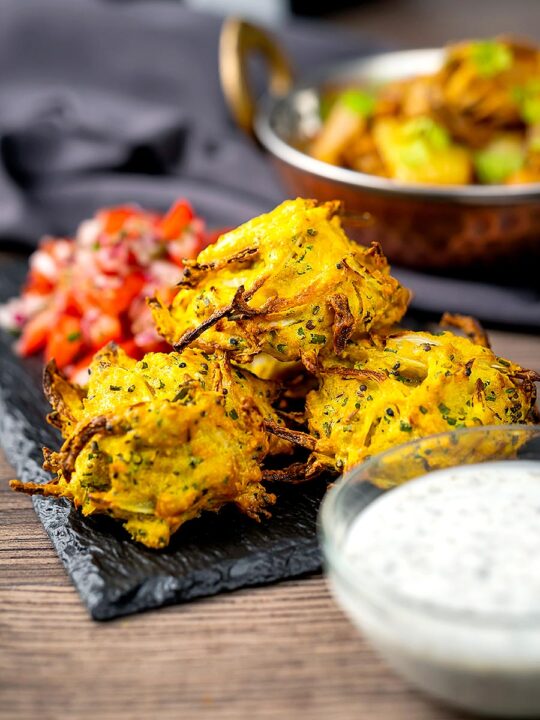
418, 225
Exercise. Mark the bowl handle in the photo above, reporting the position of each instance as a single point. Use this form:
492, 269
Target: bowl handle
239, 40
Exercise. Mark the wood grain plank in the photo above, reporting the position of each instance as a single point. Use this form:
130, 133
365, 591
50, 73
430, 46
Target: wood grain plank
277, 652
266, 653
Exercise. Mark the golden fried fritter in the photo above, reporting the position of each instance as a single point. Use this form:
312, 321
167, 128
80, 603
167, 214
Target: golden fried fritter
398, 386
267, 367
118, 381
287, 283
155, 442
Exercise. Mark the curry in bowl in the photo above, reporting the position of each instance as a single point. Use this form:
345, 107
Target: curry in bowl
476, 120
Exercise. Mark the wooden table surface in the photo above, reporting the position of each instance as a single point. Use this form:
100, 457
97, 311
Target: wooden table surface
276, 652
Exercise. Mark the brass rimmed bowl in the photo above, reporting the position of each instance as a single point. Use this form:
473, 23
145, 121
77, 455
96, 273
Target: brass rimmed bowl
420, 226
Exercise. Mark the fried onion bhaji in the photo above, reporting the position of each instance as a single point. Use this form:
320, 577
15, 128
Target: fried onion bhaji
288, 283
156, 442
394, 387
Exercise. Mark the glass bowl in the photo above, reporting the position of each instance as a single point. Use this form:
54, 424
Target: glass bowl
483, 661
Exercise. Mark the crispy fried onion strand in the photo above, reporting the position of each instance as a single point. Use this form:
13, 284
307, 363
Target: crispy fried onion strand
238, 309
295, 436
294, 474
469, 325
343, 325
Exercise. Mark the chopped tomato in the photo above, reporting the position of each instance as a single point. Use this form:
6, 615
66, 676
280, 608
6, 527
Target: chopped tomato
85, 292
131, 348
166, 295
104, 329
38, 283
68, 301
35, 333
77, 371
153, 346
64, 341
114, 218
175, 221
111, 299
123, 296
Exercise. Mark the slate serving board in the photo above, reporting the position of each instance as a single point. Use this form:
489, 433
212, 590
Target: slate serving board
115, 576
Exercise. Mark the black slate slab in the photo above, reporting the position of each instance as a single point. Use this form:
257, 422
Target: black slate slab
113, 575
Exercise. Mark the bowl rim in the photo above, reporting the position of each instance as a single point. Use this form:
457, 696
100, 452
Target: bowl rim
337, 563
280, 148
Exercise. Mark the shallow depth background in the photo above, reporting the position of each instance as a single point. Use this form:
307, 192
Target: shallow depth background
425, 23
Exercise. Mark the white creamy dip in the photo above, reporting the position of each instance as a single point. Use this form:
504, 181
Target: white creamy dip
442, 574
466, 538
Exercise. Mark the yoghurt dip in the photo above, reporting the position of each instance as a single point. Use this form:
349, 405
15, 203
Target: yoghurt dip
443, 575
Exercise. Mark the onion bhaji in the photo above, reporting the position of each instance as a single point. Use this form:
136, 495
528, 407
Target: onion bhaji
398, 386
156, 442
287, 283
141, 439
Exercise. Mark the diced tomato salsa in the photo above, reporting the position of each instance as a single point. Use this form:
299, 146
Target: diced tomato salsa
84, 292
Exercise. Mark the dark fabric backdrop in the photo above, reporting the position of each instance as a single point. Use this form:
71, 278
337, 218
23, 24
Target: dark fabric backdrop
106, 102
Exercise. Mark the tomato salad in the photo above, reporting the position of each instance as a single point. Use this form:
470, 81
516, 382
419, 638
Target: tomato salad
84, 292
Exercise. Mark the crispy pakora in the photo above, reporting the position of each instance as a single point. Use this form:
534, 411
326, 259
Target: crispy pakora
398, 386
287, 283
267, 367
156, 442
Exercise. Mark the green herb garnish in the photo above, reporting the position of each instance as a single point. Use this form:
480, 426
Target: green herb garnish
527, 98
359, 101
500, 159
181, 394
422, 136
491, 57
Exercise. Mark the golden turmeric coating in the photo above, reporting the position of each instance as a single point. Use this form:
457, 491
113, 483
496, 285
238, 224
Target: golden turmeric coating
156, 442
118, 381
399, 386
287, 283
